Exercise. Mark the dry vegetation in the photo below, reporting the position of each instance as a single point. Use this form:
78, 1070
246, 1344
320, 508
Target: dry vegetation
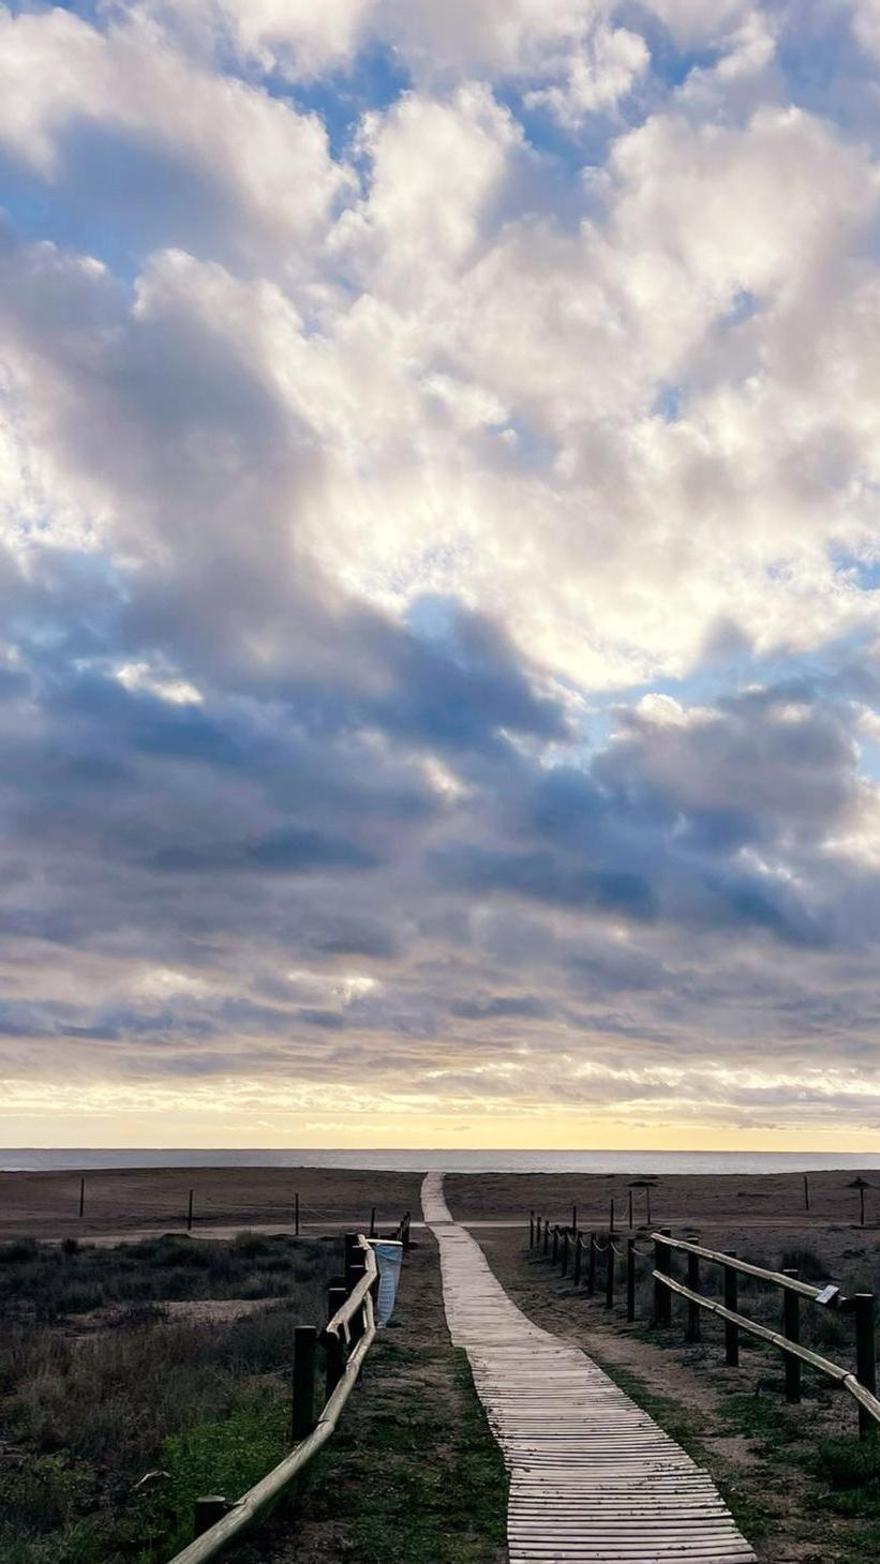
99, 1387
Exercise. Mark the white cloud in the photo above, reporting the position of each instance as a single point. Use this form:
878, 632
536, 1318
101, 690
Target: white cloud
240, 150
866, 23
603, 69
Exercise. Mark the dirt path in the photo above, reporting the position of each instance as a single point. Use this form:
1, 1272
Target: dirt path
413, 1474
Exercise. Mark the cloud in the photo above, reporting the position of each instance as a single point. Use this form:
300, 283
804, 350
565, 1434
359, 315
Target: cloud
438, 562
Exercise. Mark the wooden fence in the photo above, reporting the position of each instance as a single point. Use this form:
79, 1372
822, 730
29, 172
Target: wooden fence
585, 1254
346, 1338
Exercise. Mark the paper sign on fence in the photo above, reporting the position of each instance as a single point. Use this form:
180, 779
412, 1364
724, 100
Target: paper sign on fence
389, 1255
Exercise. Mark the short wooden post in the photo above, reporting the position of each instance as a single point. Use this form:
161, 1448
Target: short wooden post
189, 1213
806, 1193
611, 1218
353, 1258
609, 1275
296, 1215
555, 1255
207, 1511
372, 1221
591, 1266
662, 1295
565, 1243
866, 1357
574, 1220
546, 1233
357, 1323
629, 1212
693, 1332
578, 1259
630, 1278
731, 1331
531, 1229
82, 1197
334, 1343
791, 1326
302, 1410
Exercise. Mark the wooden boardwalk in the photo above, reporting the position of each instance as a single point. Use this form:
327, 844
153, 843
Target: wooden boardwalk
592, 1477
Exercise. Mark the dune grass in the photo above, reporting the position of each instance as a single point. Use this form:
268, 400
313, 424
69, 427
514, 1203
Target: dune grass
89, 1411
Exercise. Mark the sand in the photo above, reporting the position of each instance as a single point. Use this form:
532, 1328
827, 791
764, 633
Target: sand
130, 1200
677, 1200
135, 1200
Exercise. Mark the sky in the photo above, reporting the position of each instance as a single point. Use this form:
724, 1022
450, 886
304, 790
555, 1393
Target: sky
439, 573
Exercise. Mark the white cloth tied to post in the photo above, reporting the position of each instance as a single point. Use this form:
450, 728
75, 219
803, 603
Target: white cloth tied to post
389, 1257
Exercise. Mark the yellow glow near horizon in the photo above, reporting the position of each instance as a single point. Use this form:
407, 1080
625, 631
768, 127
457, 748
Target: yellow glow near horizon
414, 1131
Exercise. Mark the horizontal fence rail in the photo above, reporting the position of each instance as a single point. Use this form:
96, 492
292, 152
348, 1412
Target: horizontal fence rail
347, 1338
586, 1253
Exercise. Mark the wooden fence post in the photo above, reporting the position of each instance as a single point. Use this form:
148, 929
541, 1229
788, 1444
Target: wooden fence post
578, 1259
806, 1193
546, 1233
357, 1322
296, 1215
352, 1257
302, 1411
731, 1331
611, 1218
82, 1197
565, 1242
574, 1220
791, 1326
591, 1266
189, 1213
693, 1332
866, 1360
629, 1212
630, 1277
207, 1511
662, 1295
555, 1255
372, 1221
531, 1229
609, 1275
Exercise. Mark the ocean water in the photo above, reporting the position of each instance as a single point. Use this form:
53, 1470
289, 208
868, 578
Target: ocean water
27, 1159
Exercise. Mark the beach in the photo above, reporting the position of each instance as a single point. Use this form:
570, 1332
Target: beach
140, 1200
126, 1201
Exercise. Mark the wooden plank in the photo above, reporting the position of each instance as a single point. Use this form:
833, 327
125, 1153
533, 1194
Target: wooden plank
592, 1477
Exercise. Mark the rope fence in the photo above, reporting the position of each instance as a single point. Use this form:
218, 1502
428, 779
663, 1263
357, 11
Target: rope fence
583, 1254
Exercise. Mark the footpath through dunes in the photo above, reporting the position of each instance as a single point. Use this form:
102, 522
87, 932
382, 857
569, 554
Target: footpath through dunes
592, 1476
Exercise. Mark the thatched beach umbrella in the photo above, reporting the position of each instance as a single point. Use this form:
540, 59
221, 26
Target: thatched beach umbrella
861, 1184
647, 1184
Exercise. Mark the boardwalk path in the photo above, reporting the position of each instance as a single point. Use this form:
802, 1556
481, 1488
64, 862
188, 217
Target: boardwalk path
592, 1477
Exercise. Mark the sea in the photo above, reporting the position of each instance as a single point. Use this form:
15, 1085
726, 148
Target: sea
41, 1159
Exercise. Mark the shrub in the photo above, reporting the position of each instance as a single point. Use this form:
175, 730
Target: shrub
848, 1463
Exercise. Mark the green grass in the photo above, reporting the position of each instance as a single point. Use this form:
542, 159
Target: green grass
415, 1474
84, 1418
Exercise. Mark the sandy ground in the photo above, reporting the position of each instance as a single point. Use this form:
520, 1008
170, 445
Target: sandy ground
133, 1201
729, 1199
129, 1200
